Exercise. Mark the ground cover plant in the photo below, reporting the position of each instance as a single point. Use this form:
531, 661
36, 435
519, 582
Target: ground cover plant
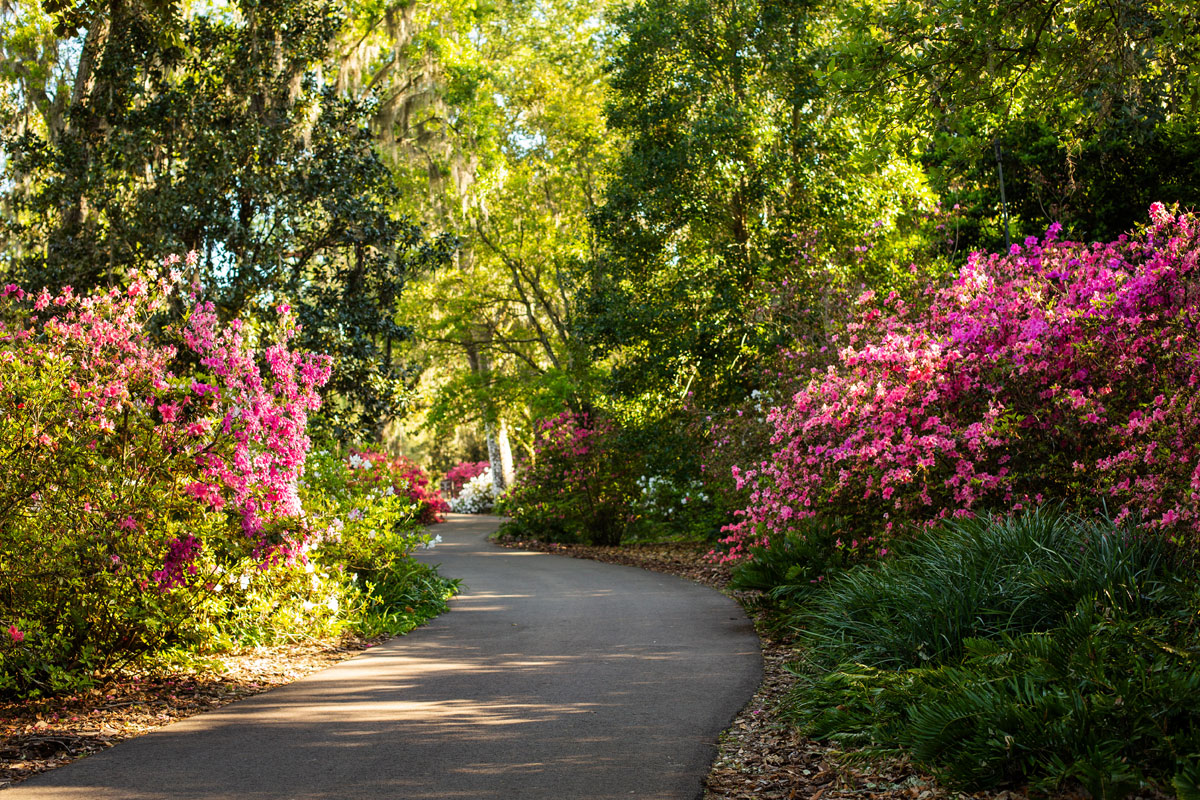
1037, 649
152, 492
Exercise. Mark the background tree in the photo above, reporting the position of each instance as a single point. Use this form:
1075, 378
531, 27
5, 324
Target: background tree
491, 117
1088, 105
739, 174
218, 133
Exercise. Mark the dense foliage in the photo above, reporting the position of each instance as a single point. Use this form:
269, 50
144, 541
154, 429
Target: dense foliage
478, 494
399, 475
464, 471
147, 507
215, 134
1042, 648
1059, 371
1086, 107
573, 488
737, 174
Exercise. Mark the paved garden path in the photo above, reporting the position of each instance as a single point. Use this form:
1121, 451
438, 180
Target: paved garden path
550, 679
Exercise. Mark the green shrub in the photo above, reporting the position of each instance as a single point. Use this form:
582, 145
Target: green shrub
367, 542
575, 487
978, 578
791, 566
669, 507
126, 490
1064, 650
400, 597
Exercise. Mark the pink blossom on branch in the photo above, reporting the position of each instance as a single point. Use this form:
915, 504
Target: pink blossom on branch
234, 438
1060, 370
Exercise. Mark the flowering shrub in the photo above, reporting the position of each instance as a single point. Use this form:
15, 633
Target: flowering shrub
1059, 370
575, 486
124, 488
478, 495
362, 547
403, 476
464, 471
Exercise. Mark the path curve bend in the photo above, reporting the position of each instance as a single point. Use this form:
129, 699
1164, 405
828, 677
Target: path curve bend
550, 679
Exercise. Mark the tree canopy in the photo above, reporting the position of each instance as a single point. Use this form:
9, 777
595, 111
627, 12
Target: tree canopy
490, 212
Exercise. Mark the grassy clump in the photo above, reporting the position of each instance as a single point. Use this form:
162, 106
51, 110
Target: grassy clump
1039, 649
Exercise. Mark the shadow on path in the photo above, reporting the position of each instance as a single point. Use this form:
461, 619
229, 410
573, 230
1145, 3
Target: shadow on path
550, 678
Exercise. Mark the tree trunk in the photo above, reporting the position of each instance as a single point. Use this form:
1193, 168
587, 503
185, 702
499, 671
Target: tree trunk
506, 456
492, 430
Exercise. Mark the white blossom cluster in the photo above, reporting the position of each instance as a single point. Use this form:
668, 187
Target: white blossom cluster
478, 495
356, 461
661, 496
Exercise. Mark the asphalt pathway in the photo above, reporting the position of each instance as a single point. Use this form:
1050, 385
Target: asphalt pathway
550, 679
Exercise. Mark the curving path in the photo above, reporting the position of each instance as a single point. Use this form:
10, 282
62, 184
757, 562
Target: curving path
550, 679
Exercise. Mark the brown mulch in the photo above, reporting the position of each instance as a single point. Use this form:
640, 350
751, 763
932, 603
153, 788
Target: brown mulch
38, 735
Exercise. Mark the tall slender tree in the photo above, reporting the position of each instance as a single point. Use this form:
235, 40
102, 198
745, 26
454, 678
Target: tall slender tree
492, 118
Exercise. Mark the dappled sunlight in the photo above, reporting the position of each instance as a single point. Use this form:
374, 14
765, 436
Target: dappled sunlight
549, 681
458, 716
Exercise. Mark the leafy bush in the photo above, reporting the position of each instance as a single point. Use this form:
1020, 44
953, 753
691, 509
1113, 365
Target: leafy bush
404, 476
461, 473
574, 487
142, 510
367, 535
1038, 648
1059, 371
671, 507
124, 489
790, 566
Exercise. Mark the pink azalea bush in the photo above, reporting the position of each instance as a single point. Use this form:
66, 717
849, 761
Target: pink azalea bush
405, 477
575, 486
1058, 371
128, 486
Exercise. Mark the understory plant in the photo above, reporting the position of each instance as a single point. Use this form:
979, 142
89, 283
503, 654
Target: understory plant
477, 495
125, 487
151, 492
1041, 648
673, 507
365, 540
376, 469
575, 486
791, 566
461, 473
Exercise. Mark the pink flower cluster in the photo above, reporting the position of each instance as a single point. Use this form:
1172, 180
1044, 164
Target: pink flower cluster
233, 437
463, 471
263, 413
1059, 371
